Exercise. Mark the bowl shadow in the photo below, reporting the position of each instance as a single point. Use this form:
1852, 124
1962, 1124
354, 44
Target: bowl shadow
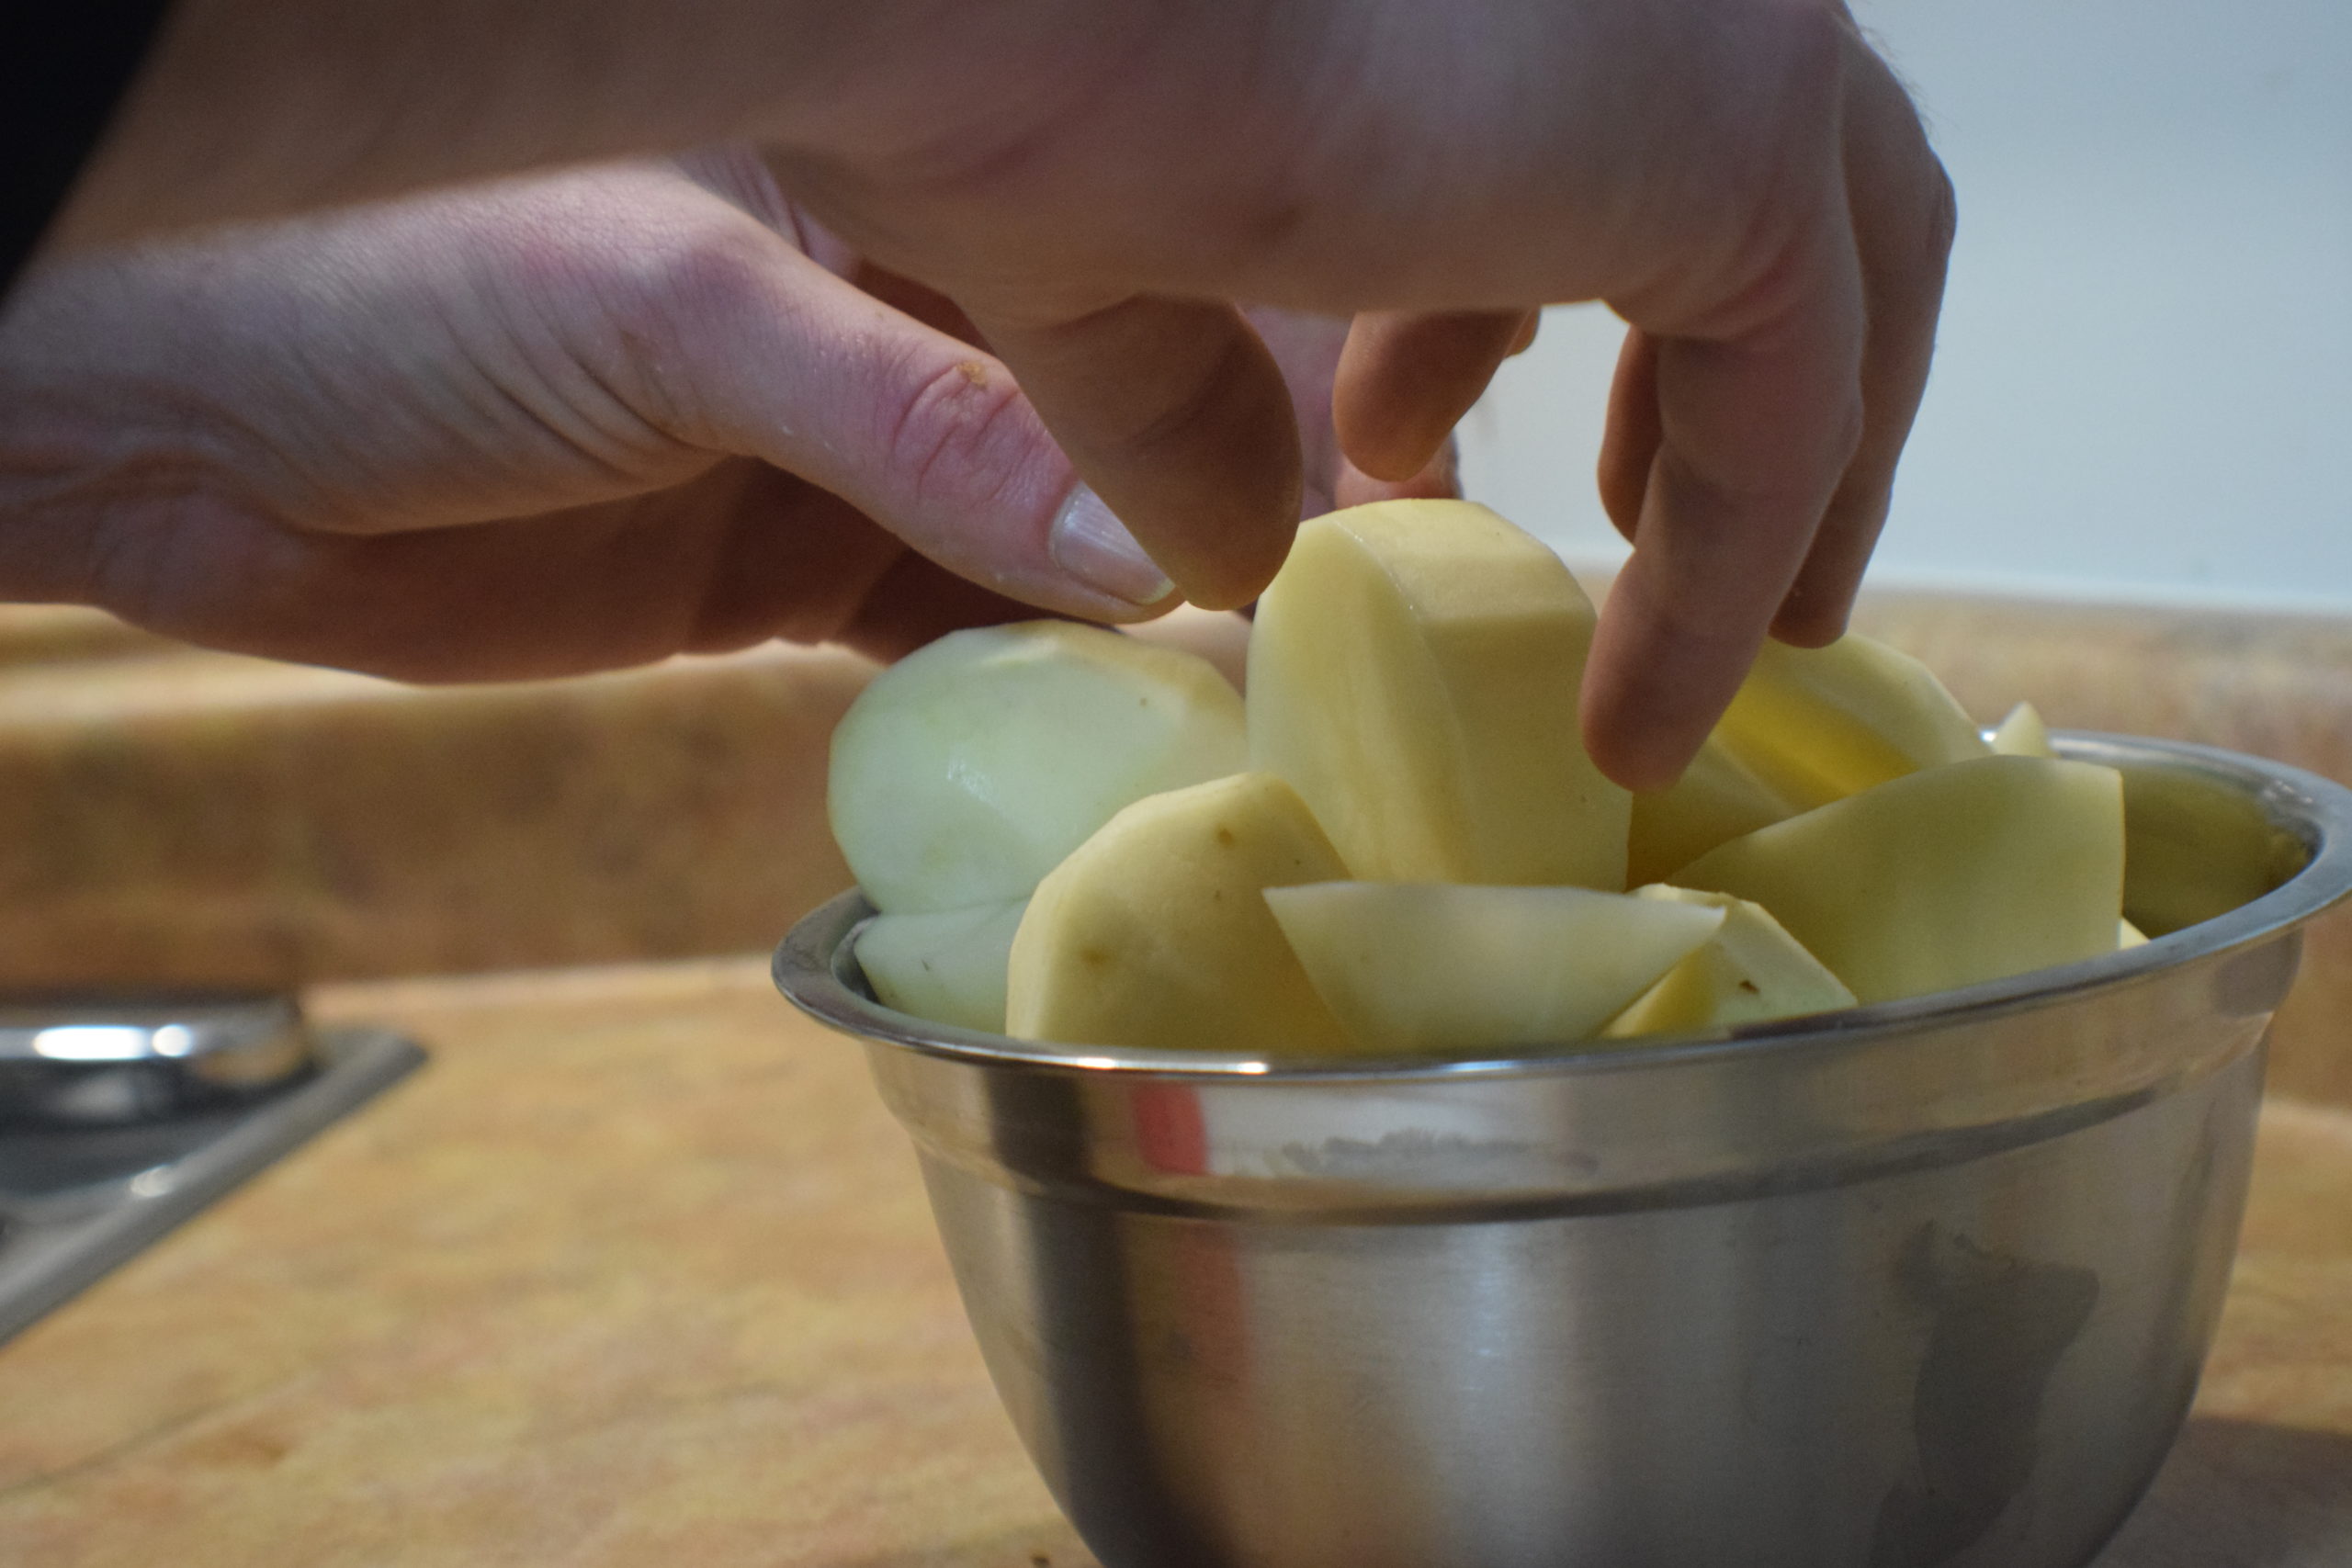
2239, 1494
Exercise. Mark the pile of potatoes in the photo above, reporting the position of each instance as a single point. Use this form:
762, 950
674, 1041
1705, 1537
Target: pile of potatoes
1399, 847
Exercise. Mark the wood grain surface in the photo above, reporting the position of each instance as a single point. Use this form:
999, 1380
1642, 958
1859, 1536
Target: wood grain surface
639, 1273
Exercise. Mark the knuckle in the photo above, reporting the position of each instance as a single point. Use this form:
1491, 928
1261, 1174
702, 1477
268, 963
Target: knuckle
643, 312
697, 290
958, 433
716, 274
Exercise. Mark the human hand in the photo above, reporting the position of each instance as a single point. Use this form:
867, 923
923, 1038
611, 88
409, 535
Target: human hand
1742, 180
558, 424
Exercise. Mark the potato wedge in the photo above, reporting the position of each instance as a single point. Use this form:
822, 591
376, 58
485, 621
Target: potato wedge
967, 770
1718, 798
947, 965
1970, 871
1413, 674
1751, 970
1154, 933
2023, 734
1434, 968
1819, 724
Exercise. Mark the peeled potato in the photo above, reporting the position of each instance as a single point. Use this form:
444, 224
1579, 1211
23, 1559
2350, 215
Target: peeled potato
1413, 674
1965, 872
1819, 724
1717, 799
947, 965
1154, 932
2023, 734
1751, 970
967, 770
1429, 967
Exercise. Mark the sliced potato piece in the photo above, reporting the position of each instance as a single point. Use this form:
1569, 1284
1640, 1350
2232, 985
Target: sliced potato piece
1717, 799
1413, 674
1751, 970
1819, 724
947, 965
1429, 967
2129, 935
2023, 734
967, 770
1965, 872
1153, 932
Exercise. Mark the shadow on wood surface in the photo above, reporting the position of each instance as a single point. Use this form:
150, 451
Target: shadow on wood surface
2244, 1495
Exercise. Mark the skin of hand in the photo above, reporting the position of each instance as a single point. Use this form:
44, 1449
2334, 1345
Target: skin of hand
1743, 181
546, 426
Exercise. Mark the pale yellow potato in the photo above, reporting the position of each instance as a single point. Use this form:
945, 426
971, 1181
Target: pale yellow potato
1819, 724
1153, 932
968, 769
1413, 674
1965, 872
2023, 734
1751, 970
1717, 799
1442, 969
947, 965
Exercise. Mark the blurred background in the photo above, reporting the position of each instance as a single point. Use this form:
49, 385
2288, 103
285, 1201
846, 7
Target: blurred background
2143, 387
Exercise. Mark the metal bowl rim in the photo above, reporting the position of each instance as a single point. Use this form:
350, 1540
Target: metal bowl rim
804, 967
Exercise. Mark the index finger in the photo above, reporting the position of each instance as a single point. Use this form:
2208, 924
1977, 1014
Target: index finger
1176, 416
1754, 431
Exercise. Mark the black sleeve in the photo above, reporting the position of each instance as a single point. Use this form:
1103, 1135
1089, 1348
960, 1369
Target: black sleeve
63, 66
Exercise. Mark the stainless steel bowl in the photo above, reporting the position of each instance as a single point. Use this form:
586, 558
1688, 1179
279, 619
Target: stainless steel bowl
1922, 1283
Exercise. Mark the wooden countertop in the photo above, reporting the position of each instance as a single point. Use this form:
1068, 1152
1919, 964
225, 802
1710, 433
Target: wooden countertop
638, 1273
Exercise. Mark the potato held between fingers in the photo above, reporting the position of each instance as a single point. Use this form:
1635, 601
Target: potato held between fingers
1424, 860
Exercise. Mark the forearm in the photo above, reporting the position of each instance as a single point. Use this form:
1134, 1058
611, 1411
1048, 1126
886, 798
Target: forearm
248, 109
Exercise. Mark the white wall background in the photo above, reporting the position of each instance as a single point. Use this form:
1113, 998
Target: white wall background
2143, 385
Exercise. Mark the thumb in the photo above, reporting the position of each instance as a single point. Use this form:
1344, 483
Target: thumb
771, 355
1176, 416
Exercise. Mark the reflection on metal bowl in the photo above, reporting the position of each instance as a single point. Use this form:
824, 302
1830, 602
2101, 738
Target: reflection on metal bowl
1925, 1283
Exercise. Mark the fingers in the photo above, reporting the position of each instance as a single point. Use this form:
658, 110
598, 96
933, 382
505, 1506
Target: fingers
778, 358
1755, 433
740, 555
1441, 480
1629, 441
723, 560
1731, 528
917, 600
1407, 377
1176, 416
1307, 348
1902, 215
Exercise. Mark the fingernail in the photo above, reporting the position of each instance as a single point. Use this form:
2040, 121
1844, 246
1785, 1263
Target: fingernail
1095, 547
